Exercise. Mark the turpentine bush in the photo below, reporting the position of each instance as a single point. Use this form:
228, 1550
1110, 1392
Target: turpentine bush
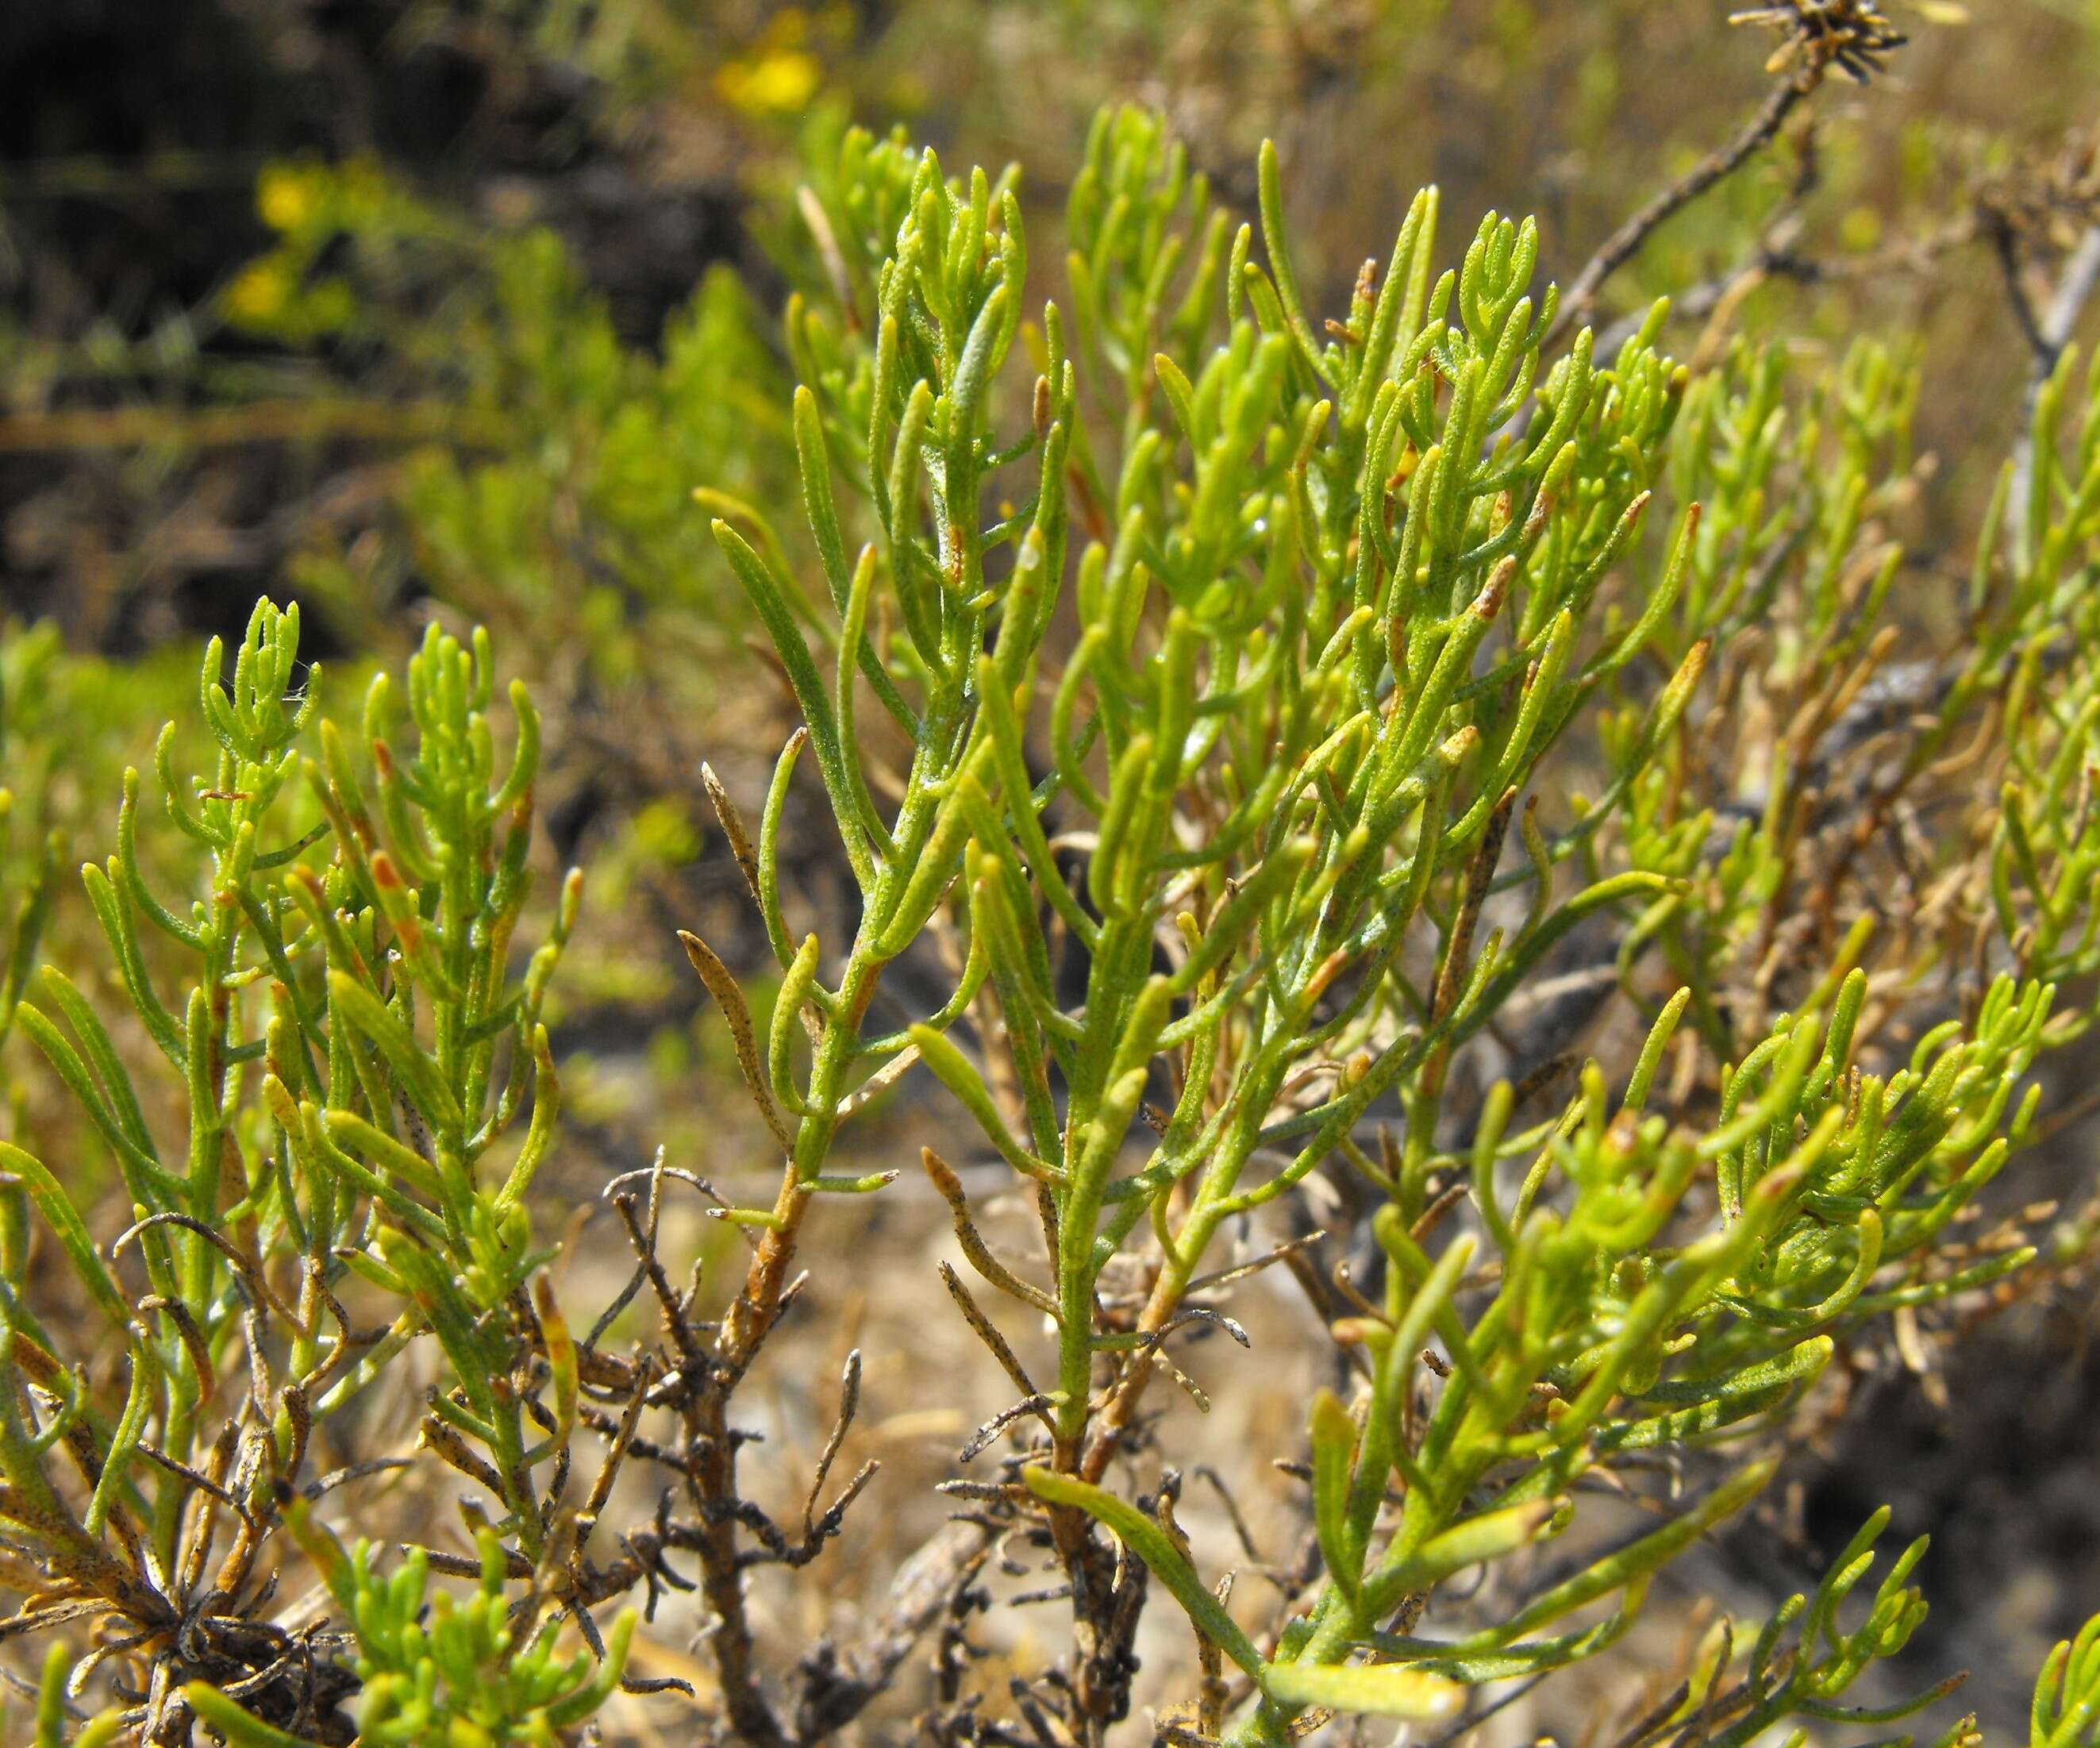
1288, 734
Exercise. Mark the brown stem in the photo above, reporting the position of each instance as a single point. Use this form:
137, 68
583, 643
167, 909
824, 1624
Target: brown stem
713, 1446
837, 1686
1105, 1615
1625, 242
1120, 1409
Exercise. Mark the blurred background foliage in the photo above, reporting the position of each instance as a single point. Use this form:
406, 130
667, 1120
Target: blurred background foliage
409, 309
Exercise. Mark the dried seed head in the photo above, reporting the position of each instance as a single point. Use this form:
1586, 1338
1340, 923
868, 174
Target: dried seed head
1854, 35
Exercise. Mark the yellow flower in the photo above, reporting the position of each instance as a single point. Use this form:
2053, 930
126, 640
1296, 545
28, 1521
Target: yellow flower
286, 197
260, 292
778, 83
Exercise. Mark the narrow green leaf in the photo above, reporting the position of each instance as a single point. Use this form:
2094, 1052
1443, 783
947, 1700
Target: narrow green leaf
1379, 1690
1148, 1541
240, 1728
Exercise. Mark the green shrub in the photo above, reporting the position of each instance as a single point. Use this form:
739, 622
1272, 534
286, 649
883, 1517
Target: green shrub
1267, 725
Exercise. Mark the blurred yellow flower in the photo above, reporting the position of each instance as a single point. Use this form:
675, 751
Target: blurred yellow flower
260, 292
777, 83
286, 196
